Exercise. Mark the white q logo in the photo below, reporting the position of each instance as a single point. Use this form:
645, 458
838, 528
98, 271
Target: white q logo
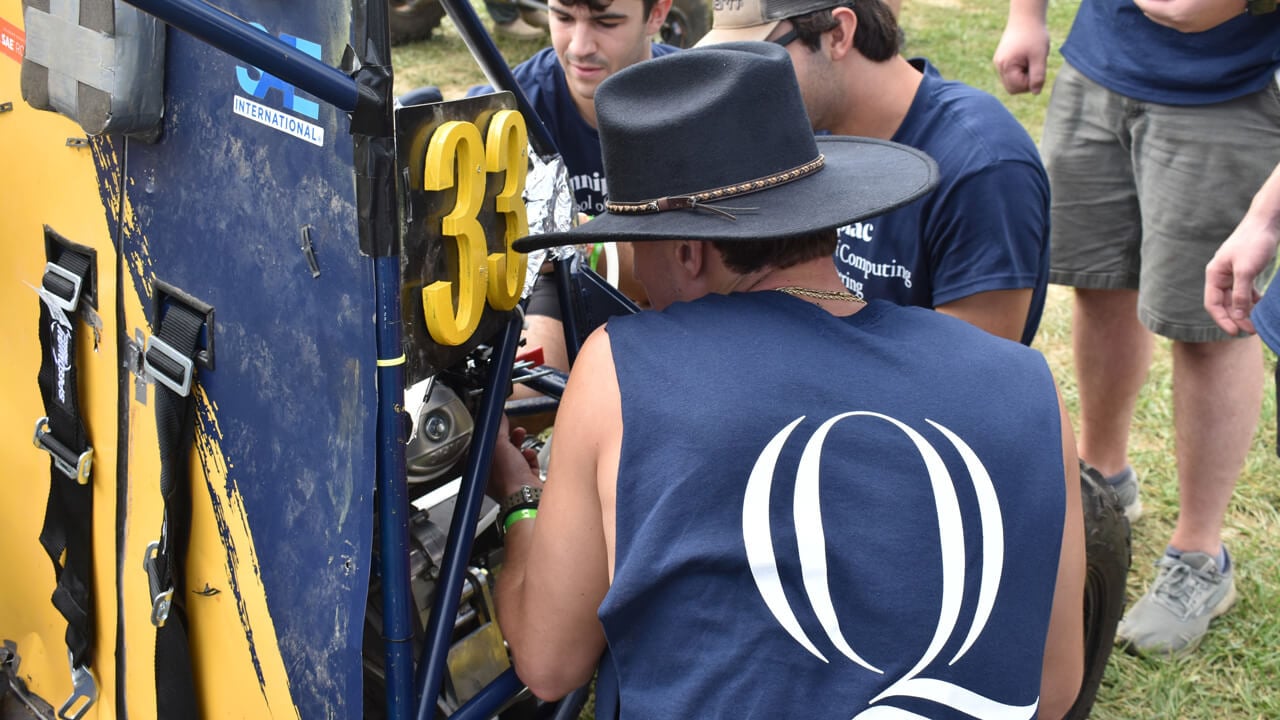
812, 547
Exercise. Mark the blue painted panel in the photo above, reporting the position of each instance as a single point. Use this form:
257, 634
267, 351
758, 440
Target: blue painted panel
246, 165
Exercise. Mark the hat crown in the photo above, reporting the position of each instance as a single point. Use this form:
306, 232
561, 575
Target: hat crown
741, 119
735, 14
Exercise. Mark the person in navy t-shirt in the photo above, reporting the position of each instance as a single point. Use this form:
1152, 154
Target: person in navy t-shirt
590, 40
978, 247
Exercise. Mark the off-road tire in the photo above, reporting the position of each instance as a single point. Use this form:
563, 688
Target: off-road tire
413, 20
1108, 554
687, 22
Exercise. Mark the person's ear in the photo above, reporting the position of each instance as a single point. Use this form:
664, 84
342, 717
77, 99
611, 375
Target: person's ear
842, 34
691, 256
657, 16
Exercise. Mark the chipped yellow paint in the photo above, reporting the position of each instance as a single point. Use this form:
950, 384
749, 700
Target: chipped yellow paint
222, 556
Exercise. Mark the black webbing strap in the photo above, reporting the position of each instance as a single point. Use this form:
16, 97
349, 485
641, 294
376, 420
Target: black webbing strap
67, 534
170, 360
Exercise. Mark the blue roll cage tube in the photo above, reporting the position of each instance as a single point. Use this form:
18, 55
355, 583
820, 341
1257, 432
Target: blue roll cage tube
367, 98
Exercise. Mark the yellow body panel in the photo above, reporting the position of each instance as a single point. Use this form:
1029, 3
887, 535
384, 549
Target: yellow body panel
47, 182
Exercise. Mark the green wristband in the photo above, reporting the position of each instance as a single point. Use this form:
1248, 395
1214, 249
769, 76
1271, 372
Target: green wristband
594, 261
516, 516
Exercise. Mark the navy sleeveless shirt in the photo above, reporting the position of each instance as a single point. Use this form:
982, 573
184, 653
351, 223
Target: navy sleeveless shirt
822, 517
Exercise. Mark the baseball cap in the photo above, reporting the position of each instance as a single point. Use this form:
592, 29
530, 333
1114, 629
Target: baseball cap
755, 19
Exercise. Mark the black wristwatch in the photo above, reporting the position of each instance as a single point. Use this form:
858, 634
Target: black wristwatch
525, 498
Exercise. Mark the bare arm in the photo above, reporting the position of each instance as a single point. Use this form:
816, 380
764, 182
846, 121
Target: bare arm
1063, 669
1023, 52
999, 312
1190, 15
1229, 292
556, 571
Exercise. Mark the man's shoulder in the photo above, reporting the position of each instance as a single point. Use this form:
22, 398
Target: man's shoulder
972, 110
931, 329
659, 49
956, 117
537, 76
541, 70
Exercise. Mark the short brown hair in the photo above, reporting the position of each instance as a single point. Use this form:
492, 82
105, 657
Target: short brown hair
747, 256
602, 5
877, 36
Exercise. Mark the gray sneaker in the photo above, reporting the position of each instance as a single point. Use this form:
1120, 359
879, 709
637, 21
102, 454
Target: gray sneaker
1174, 615
1125, 484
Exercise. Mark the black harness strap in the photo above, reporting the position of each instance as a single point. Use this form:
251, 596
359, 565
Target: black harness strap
170, 360
67, 534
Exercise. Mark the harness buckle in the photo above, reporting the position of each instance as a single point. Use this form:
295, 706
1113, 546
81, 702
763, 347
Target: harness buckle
161, 600
83, 688
68, 304
179, 383
62, 454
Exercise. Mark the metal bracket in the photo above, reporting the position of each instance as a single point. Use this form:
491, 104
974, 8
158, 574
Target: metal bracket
77, 142
160, 601
68, 305
133, 364
10, 664
61, 454
83, 688
181, 384
6, 107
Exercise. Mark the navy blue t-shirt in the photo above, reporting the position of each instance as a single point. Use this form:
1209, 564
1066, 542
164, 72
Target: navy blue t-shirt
1266, 319
829, 518
1113, 44
985, 227
542, 80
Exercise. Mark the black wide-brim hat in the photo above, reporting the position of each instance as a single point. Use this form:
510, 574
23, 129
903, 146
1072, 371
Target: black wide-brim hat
714, 144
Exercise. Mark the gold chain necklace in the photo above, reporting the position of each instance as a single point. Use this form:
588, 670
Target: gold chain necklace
796, 291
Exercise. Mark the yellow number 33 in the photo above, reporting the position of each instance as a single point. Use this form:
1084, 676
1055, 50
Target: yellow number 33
457, 157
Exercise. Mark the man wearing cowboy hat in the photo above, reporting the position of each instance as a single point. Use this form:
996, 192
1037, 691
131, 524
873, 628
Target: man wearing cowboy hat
977, 247
770, 498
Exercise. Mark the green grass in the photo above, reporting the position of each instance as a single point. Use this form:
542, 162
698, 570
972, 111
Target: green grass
1233, 673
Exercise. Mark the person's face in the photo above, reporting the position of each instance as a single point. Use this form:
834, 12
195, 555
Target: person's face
592, 45
813, 74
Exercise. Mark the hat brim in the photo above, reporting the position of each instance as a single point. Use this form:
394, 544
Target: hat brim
861, 178
718, 35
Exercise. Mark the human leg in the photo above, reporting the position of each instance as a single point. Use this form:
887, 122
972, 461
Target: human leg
1096, 248
1112, 354
1217, 397
502, 12
508, 20
1201, 158
1206, 158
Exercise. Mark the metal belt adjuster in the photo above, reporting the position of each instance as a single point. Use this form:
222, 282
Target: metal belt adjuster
68, 304
161, 600
83, 687
64, 458
179, 383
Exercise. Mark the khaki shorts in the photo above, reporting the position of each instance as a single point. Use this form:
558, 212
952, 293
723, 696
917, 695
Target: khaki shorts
1143, 194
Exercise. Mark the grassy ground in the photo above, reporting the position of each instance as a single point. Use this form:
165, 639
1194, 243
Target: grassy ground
1233, 674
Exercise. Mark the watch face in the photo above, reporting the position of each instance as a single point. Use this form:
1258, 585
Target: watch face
526, 496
